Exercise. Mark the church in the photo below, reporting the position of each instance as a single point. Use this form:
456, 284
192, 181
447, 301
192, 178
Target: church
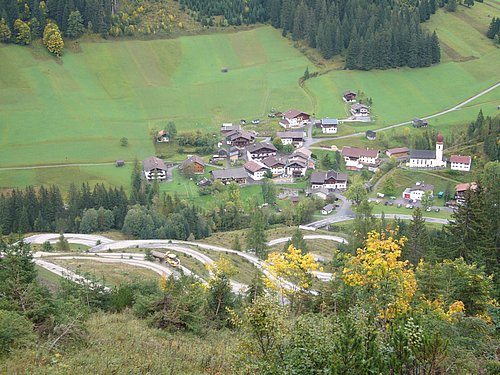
429, 158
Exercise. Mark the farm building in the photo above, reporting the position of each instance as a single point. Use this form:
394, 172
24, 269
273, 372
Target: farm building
162, 136
256, 170
371, 135
349, 96
195, 163
226, 176
356, 158
460, 163
419, 123
261, 150
398, 152
154, 168
331, 180
239, 138
120, 163
461, 190
360, 110
294, 118
295, 138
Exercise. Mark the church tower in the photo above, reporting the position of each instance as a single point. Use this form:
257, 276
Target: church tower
439, 150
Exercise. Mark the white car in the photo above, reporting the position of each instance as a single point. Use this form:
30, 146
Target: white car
428, 209
256, 121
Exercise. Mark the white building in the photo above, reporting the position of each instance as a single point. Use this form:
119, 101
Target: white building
295, 138
360, 110
294, 119
155, 168
428, 158
329, 125
356, 158
260, 151
460, 163
256, 169
330, 180
416, 192
276, 165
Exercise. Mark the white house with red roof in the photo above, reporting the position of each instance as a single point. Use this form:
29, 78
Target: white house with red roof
356, 158
294, 118
460, 163
255, 169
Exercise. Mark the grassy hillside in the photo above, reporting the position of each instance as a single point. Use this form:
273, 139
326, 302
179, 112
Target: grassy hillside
77, 109
469, 65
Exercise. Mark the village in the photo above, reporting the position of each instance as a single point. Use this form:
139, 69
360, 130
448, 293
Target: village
288, 159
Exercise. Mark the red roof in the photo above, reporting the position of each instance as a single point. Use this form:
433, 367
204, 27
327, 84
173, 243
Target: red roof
253, 166
439, 138
466, 186
354, 152
461, 159
398, 150
292, 113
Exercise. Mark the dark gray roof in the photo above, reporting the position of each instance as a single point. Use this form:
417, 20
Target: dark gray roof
260, 145
271, 161
329, 121
422, 154
154, 163
328, 207
321, 177
229, 173
291, 134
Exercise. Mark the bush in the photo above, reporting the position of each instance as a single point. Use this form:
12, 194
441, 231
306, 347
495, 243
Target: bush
15, 331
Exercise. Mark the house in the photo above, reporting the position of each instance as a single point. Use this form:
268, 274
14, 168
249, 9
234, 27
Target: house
234, 154
419, 123
320, 193
398, 152
349, 96
428, 158
461, 190
330, 180
276, 165
228, 127
260, 150
460, 163
226, 176
256, 170
239, 138
356, 158
371, 135
296, 167
327, 209
417, 191
154, 168
119, 163
194, 163
294, 119
303, 154
162, 136
220, 155
360, 110
295, 138
329, 125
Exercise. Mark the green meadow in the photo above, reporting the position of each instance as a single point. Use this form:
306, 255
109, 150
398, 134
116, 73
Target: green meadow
469, 65
76, 109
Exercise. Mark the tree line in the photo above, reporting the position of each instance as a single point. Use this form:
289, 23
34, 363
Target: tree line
371, 35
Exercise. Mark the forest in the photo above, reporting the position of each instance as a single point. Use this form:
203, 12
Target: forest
372, 35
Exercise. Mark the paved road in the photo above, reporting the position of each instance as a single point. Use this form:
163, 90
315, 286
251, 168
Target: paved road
338, 219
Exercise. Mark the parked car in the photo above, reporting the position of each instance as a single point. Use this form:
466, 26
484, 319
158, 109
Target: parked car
386, 203
437, 209
399, 205
243, 122
410, 206
428, 209
391, 203
392, 198
256, 121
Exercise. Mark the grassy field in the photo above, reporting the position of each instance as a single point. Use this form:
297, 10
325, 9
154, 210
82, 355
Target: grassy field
77, 109
469, 65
